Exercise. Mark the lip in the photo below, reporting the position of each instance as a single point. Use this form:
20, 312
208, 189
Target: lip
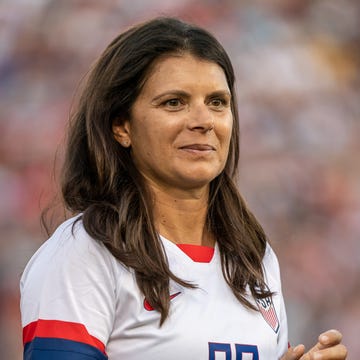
198, 147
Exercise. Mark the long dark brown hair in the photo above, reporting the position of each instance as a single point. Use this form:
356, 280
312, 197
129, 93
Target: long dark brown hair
100, 181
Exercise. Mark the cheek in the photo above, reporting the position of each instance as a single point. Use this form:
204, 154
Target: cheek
226, 140
226, 133
148, 141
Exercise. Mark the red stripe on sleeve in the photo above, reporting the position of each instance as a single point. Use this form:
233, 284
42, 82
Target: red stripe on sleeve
60, 330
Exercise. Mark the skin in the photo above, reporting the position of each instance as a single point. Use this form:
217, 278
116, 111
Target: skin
328, 347
179, 134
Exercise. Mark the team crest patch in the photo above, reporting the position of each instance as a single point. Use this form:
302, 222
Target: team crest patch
268, 312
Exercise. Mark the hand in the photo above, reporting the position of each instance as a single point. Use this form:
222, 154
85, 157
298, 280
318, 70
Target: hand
329, 347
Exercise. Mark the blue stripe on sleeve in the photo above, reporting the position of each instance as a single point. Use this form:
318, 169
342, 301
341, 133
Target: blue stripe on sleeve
60, 349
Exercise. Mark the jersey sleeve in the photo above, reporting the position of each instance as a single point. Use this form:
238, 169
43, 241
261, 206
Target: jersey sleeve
68, 296
283, 339
273, 278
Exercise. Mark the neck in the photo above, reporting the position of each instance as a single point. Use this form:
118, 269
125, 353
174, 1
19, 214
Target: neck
181, 216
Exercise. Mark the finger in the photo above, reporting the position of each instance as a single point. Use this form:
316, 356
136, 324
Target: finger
329, 338
294, 353
337, 352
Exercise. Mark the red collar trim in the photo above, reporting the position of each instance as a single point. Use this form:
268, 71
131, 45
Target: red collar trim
197, 253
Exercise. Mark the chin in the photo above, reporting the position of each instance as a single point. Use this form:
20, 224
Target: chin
192, 182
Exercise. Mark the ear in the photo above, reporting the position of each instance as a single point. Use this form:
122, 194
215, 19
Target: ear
121, 131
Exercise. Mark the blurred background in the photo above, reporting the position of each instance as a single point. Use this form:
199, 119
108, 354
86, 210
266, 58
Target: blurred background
298, 83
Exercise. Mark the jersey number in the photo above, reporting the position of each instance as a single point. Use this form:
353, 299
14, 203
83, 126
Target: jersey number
250, 352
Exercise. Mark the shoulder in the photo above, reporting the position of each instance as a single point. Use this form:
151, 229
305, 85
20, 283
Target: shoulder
270, 257
271, 266
69, 291
69, 258
70, 241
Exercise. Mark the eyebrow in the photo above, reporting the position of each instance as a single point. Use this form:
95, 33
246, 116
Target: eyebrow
186, 94
220, 93
171, 92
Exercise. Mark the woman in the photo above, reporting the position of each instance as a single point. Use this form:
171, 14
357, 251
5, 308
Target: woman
162, 260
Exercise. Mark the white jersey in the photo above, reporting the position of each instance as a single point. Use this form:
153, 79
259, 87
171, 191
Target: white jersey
78, 302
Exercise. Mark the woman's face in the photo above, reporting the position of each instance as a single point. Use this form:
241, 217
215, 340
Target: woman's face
181, 123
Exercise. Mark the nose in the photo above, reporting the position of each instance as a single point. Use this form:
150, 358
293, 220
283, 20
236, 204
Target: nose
200, 118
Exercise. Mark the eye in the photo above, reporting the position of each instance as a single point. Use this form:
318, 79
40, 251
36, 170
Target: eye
173, 104
218, 103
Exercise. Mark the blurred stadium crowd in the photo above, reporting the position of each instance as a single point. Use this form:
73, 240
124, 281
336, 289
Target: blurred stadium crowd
298, 83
